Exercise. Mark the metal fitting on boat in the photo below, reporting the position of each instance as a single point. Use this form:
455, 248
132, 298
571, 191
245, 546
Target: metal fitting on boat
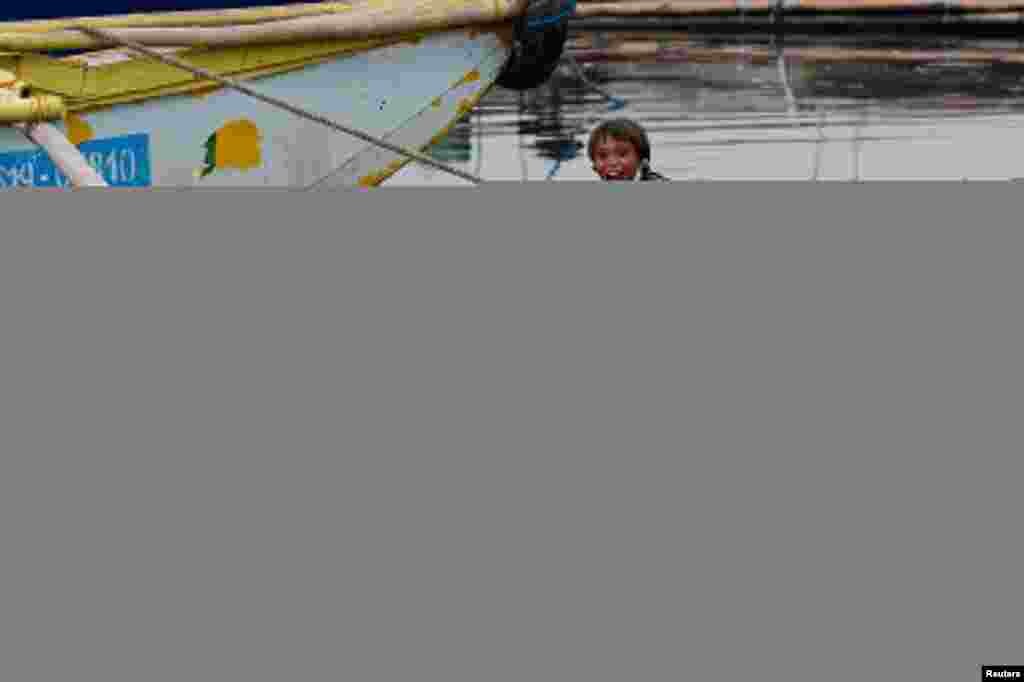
539, 40
19, 105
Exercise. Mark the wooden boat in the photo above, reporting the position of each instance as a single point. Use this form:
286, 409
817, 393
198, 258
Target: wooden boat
397, 72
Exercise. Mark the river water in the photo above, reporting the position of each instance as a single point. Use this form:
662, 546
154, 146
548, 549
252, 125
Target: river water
746, 109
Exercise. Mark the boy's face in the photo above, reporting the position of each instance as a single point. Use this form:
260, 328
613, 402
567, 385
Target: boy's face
615, 159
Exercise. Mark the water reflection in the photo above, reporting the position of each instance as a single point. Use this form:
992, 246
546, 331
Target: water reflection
546, 119
456, 147
723, 108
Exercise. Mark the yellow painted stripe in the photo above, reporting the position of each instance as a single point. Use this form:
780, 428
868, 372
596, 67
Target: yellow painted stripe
134, 79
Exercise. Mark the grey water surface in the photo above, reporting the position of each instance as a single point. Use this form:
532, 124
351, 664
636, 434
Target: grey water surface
843, 117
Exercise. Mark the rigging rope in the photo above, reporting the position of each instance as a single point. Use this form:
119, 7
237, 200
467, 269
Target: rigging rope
273, 101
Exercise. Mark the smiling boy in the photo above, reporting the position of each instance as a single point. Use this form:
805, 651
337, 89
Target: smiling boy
620, 151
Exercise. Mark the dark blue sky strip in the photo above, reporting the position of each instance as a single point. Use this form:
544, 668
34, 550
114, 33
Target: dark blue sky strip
52, 9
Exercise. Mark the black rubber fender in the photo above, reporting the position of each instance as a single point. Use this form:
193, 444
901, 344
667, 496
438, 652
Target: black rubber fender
538, 43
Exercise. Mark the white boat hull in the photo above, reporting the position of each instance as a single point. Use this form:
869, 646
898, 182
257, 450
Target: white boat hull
410, 93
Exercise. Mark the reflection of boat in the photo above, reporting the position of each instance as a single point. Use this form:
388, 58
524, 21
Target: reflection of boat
455, 146
882, 111
403, 72
676, 50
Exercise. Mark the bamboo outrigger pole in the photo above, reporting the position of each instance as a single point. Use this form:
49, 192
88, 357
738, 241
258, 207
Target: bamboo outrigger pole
31, 114
374, 19
65, 156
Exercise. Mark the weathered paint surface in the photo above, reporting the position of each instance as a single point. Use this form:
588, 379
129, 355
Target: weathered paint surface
408, 93
431, 123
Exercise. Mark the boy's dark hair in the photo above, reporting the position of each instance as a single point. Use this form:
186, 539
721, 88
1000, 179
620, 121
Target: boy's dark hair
621, 129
